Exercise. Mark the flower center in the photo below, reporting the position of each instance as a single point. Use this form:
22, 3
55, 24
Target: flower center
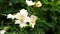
32, 21
37, 4
22, 18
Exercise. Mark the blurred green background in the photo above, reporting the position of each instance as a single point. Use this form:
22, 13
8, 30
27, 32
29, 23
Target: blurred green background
48, 21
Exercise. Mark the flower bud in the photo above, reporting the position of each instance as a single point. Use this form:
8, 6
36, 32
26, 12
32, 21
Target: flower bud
38, 4
6, 28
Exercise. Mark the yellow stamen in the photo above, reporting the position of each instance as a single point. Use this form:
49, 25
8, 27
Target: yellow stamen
22, 18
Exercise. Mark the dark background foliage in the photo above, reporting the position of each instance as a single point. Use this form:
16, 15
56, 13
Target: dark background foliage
48, 21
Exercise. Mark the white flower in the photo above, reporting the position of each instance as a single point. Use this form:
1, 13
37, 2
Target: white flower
30, 3
38, 4
21, 18
2, 31
22, 15
23, 23
32, 21
10, 16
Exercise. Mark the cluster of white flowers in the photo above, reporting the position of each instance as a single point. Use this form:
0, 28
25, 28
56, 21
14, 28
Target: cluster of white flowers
31, 3
22, 18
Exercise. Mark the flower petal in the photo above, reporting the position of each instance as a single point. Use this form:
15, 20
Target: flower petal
22, 25
10, 16
33, 25
17, 16
30, 3
2, 31
17, 22
23, 12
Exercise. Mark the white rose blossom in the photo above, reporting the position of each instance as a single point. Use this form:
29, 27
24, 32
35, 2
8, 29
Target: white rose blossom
21, 18
2, 31
32, 21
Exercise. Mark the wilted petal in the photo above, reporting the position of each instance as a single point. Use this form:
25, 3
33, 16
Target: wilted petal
27, 19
